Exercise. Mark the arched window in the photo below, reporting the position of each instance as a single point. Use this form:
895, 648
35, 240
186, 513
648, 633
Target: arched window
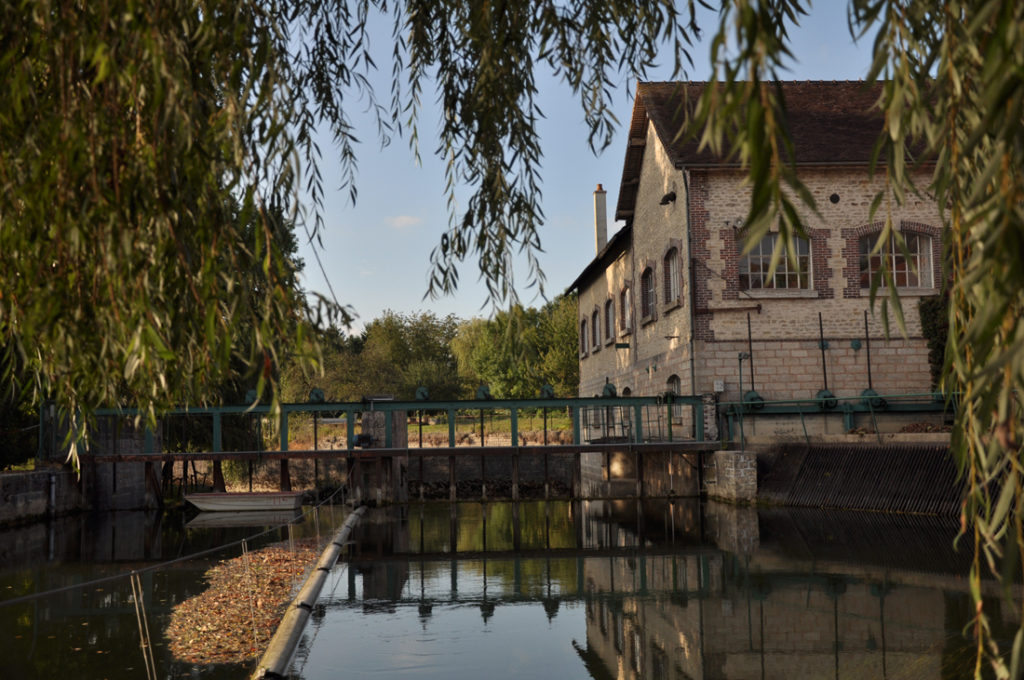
912, 269
647, 294
626, 392
583, 338
754, 266
595, 330
671, 270
609, 320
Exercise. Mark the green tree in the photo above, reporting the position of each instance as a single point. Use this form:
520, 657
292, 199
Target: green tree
521, 349
560, 363
396, 354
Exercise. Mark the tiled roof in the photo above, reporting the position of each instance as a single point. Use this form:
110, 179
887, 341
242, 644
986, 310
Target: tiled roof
830, 122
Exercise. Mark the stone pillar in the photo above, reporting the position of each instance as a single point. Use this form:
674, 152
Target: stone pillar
735, 476
392, 475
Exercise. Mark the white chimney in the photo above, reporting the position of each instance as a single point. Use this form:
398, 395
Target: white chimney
600, 219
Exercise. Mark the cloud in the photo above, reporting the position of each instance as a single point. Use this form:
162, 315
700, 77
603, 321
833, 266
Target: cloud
403, 221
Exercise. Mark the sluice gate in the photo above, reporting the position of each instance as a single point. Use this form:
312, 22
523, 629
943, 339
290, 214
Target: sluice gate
902, 478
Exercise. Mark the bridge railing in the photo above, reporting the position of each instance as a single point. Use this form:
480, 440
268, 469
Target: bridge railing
590, 420
869, 406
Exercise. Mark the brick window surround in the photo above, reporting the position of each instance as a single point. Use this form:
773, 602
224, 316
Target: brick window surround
851, 253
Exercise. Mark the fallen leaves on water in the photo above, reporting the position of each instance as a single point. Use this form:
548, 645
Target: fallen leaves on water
232, 621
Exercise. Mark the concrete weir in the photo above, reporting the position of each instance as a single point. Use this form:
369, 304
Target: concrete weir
905, 478
281, 647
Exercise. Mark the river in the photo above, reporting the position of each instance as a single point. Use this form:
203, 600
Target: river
593, 589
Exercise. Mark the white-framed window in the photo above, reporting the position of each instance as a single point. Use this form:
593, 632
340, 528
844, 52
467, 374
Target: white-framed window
647, 293
595, 330
912, 269
754, 266
609, 320
671, 283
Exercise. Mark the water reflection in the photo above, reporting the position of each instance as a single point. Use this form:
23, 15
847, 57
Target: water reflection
610, 589
654, 590
91, 631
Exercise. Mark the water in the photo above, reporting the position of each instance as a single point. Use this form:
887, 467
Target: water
549, 590
659, 590
92, 631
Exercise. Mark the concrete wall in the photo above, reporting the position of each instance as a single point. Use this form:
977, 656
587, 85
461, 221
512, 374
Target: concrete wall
26, 496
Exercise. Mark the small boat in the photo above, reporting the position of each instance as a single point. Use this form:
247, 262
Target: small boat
245, 518
257, 500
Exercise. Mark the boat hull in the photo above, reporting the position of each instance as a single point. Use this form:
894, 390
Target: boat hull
245, 518
235, 502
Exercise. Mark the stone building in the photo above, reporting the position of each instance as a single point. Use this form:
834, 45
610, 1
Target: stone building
670, 302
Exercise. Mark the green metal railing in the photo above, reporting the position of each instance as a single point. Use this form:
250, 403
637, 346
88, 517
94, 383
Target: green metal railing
872, 404
349, 412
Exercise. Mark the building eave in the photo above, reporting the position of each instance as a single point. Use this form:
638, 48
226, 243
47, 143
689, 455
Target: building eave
616, 245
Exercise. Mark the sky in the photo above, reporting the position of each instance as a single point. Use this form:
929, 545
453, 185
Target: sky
376, 253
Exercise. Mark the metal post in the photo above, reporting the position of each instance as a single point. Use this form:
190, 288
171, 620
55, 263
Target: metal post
743, 355
750, 351
821, 344
286, 478
515, 477
867, 346
451, 479
218, 446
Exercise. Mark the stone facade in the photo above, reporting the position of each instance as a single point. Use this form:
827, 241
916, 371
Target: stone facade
704, 316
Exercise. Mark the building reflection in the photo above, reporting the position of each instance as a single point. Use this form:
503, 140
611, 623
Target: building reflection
680, 589
778, 610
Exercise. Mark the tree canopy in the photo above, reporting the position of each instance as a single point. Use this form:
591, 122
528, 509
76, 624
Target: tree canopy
130, 132
521, 349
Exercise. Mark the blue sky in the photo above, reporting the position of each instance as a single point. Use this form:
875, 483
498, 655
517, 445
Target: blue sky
376, 253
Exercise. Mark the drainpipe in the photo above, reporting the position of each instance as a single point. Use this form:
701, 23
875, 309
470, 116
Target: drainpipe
693, 296
51, 509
